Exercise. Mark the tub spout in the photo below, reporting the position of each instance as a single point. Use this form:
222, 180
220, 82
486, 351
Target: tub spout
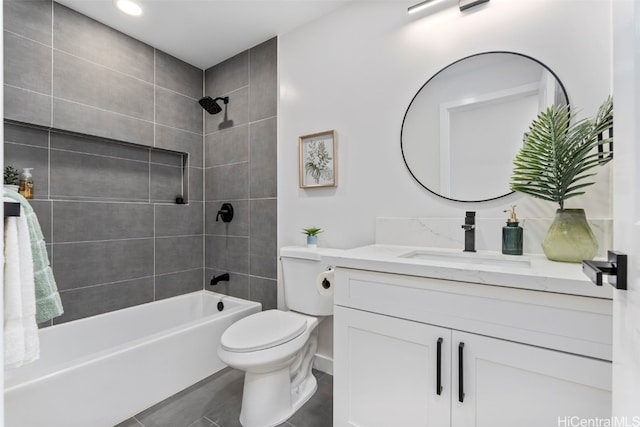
221, 278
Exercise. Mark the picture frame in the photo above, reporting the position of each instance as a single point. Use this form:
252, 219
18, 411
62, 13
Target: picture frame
318, 160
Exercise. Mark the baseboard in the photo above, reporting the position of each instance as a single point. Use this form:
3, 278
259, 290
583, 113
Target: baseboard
323, 363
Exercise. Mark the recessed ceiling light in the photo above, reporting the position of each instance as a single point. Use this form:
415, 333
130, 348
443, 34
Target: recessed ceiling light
128, 7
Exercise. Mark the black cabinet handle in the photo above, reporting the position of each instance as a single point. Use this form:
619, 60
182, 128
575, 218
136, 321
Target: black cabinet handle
460, 377
439, 367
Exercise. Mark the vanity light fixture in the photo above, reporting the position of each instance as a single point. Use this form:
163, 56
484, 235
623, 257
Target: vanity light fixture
129, 7
420, 6
468, 4
462, 4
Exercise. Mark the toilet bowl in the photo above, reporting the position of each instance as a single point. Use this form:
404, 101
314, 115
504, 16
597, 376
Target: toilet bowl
276, 348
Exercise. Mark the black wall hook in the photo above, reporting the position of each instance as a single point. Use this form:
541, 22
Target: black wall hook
225, 212
221, 278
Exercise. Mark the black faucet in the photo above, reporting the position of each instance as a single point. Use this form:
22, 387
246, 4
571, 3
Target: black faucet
469, 231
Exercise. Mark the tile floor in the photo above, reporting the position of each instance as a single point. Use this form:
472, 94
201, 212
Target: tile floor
215, 402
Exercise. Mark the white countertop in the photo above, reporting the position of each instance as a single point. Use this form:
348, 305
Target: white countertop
539, 275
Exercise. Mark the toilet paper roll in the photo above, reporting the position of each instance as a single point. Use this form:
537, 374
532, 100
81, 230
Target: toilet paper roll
324, 283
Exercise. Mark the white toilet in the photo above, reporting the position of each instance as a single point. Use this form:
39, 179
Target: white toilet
276, 348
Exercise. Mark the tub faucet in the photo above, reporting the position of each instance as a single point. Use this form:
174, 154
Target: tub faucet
469, 227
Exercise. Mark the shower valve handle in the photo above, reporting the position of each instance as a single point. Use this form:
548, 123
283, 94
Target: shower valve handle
225, 212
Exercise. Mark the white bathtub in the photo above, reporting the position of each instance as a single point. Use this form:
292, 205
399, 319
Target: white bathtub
99, 371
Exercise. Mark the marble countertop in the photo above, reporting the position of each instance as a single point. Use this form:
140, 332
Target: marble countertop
532, 272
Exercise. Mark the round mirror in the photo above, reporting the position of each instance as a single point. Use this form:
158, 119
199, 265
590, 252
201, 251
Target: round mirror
466, 124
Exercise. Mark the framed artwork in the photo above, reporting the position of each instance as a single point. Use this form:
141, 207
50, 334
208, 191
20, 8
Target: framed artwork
318, 160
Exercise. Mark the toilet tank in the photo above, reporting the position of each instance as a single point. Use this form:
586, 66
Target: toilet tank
300, 269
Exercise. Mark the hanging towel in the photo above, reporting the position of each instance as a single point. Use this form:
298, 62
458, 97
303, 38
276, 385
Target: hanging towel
21, 331
48, 304
13, 329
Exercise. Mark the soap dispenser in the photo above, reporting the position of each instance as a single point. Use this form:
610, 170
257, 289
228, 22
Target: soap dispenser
26, 183
512, 235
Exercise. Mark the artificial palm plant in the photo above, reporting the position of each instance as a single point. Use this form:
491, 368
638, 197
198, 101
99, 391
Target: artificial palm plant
555, 164
557, 156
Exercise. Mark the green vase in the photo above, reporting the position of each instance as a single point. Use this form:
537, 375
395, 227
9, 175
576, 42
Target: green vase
570, 238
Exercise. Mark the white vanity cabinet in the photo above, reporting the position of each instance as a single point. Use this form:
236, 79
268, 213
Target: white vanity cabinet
529, 358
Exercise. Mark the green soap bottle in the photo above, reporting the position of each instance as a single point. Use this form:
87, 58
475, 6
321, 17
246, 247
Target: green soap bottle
512, 235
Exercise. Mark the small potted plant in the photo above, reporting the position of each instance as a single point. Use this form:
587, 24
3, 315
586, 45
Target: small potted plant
11, 177
312, 236
555, 164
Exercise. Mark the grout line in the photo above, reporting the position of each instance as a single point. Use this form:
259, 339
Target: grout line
154, 253
103, 155
52, 64
131, 239
228, 164
149, 176
138, 421
154, 104
204, 183
94, 285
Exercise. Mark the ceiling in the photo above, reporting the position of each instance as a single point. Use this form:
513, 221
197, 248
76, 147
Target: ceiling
206, 32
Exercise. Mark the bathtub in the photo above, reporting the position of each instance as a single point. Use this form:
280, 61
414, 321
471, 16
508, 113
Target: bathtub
99, 371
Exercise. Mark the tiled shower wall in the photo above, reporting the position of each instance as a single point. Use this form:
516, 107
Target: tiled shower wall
115, 239
240, 168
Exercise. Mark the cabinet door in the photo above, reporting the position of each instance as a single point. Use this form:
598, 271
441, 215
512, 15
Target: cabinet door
510, 384
386, 371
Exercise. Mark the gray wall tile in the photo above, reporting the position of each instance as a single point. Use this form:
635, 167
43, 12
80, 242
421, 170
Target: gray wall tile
26, 135
27, 107
227, 146
78, 175
77, 265
228, 75
227, 182
27, 64
83, 37
239, 226
184, 282
179, 220
178, 140
166, 183
93, 121
85, 302
101, 147
26, 156
105, 87
31, 19
264, 291
178, 253
84, 82
86, 221
227, 253
263, 170
237, 112
196, 190
263, 80
263, 218
237, 286
178, 111
177, 75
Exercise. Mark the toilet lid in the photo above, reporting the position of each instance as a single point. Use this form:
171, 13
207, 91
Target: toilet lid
262, 330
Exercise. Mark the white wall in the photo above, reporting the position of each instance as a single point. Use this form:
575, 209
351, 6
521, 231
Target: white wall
357, 69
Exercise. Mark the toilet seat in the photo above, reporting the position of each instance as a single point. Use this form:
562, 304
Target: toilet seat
263, 330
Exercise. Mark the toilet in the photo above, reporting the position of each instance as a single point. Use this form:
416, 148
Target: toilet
276, 348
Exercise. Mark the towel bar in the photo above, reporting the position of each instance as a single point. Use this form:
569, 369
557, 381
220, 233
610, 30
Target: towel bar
11, 209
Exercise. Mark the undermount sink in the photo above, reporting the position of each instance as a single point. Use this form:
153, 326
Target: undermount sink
469, 258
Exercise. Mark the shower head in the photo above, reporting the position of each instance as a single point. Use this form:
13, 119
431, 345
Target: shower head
211, 105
